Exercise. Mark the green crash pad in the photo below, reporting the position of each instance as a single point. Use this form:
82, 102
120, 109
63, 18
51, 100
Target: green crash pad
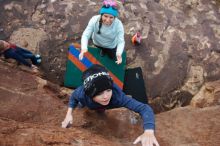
75, 67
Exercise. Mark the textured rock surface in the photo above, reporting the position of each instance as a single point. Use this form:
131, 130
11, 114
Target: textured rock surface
16, 133
209, 95
189, 126
32, 109
31, 113
179, 56
179, 51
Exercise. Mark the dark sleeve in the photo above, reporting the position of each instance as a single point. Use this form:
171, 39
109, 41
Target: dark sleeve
144, 110
73, 101
11, 54
21, 60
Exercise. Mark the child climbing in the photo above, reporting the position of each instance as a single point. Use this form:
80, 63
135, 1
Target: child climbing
98, 92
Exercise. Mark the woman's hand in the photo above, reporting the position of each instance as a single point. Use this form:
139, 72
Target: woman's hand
82, 54
147, 138
119, 59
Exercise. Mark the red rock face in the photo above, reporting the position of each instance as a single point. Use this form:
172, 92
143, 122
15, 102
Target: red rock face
31, 114
178, 54
16, 133
176, 40
189, 126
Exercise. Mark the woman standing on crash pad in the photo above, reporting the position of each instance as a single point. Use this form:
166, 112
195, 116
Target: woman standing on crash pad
107, 32
99, 93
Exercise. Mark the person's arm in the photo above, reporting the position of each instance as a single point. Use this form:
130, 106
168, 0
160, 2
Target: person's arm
72, 104
68, 119
86, 36
20, 59
23, 60
121, 43
144, 110
147, 138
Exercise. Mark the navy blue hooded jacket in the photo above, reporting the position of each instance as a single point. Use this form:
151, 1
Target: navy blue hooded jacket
118, 99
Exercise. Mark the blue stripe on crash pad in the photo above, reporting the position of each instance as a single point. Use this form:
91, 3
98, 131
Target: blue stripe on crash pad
76, 53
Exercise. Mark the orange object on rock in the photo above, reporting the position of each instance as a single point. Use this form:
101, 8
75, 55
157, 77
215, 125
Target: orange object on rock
136, 39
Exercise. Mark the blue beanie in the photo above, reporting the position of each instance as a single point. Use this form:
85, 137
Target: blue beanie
109, 10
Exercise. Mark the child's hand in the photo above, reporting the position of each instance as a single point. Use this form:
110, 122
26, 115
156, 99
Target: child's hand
68, 120
147, 138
